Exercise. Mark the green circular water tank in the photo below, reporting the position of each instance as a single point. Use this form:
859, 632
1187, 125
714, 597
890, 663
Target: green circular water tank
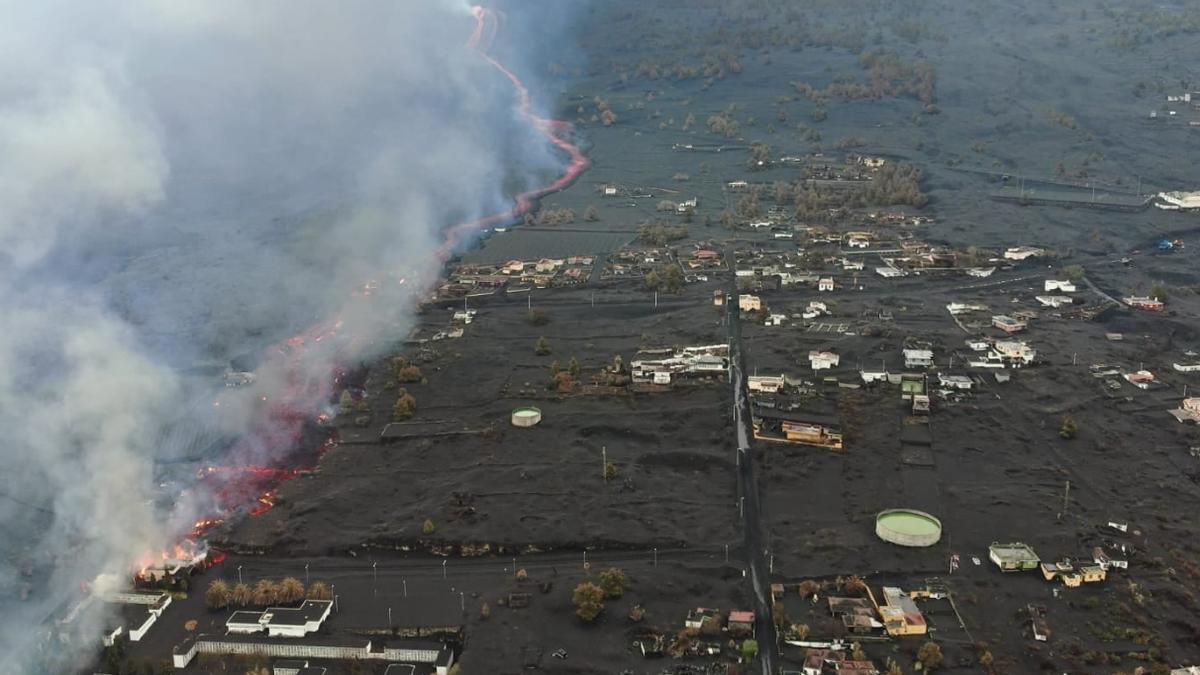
908, 527
526, 417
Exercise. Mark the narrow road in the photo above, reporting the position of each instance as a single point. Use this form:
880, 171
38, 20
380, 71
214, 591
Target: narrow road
756, 558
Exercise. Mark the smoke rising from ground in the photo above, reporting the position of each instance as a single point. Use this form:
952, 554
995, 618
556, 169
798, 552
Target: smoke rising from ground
183, 183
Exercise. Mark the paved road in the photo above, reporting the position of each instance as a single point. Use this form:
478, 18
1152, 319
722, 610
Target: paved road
756, 558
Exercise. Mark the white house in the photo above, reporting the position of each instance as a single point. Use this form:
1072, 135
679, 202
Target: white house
869, 376
1187, 367
749, 303
1022, 252
1055, 301
918, 358
823, 360
856, 242
852, 265
825, 284
980, 272
768, 384
775, 320
977, 345
961, 382
889, 272
1057, 285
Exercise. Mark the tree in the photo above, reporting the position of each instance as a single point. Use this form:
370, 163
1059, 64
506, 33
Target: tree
265, 592
1073, 272
808, 588
610, 471
930, 656
653, 280
290, 590
537, 317
1069, 429
405, 405
673, 280
573, 367
485, 611
427, 527
319, 590
1158, 292
612, 581
749, 650
241, 595
588, 599
409, 374
637, 613
591, 214
217, 595
541, 347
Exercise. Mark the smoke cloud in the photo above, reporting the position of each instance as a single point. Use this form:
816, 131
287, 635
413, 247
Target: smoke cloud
186, 183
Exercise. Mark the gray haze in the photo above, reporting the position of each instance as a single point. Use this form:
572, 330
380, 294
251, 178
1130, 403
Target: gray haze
186, 182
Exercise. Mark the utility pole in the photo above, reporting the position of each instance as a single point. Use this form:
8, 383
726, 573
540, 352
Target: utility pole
726, 554
656, 298
443, 569
656, 557
389, 618
404, 584
529, 301
306, 568
1066, 497
604, 463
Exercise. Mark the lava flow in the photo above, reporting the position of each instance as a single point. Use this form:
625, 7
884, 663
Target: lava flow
285, 416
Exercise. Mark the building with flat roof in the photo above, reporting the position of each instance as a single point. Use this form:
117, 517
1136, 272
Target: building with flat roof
797, 426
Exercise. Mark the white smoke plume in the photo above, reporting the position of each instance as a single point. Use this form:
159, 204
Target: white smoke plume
183, 183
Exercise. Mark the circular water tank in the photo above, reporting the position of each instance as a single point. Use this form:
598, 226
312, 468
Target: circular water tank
526, 417
908, 527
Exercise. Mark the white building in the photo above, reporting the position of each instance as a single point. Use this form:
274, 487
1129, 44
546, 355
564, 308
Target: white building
749, 303
1187, 367
869, 376
977, 345
1055, 301
889, 272
1057, 285
852, 265
825, 284
823, 360
767, 384
281, 621
1023, 252
918, 358
961, 382
775, 319
980, 272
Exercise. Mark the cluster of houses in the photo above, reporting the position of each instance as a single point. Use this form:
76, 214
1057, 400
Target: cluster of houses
631, 262
672, 365
471, 280
705, 632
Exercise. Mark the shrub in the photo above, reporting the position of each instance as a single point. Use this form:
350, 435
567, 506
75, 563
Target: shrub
405, 405
588, 599
427, 527
409, 374
1069, 429
610, 471
485, 611
612, 581
541, 347
241, 595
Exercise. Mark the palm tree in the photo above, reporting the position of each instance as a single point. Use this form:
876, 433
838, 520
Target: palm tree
217, 595
319, 590
242, 595
265, 592
290, 590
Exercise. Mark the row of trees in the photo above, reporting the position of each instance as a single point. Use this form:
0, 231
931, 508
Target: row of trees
220, 594
658, 234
